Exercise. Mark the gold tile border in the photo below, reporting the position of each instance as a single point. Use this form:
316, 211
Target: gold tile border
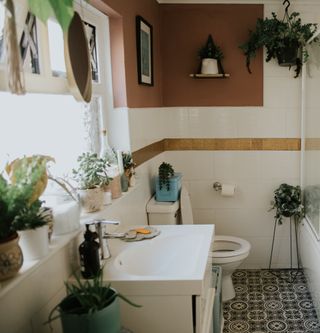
254, 144
146, 153
312, 144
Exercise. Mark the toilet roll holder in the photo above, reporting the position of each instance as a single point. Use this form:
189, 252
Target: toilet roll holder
217, 186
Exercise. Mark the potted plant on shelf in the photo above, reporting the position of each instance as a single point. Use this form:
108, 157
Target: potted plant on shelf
168, 183
91, 176
284, 40
89, 307
211, 56
18, 196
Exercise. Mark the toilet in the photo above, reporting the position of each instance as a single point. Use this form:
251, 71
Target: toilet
228, 251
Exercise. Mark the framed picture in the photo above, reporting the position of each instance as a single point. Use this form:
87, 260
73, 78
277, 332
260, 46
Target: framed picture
144, 51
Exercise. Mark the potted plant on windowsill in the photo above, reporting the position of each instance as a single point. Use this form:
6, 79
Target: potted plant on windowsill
128, 166
89, 307
91, 176
211, 56
18, 196
284, 40
168, 183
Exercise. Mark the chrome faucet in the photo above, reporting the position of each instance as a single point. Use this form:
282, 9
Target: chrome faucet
105, 251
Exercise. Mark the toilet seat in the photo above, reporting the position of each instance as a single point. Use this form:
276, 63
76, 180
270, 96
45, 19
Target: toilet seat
229, 246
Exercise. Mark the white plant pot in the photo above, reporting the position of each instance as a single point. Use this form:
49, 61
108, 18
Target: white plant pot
34, 243
209, 66
66, 217
91, 199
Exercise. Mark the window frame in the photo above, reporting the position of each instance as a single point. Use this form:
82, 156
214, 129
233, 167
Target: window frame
46, 82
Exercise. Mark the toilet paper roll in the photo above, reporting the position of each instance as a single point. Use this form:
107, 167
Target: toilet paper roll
227, 190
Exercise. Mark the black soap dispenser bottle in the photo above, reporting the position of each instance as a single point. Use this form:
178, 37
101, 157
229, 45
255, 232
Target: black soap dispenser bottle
89, 254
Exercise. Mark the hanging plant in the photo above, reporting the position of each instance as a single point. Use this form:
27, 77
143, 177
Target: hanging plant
284, 40
287, 202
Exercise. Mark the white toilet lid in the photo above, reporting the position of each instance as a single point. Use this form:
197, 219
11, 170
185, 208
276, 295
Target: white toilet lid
229, 246
185, 206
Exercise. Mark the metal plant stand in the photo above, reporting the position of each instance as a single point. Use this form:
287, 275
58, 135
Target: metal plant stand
293, 271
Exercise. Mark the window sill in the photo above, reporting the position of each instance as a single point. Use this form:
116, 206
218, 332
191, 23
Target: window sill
28, 267
86, 217
57, 243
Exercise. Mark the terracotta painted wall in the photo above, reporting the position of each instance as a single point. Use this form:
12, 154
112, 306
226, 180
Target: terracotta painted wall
178, 33
184, 29
124, 12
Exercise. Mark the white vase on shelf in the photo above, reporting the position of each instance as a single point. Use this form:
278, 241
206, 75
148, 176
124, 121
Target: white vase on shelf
209, 66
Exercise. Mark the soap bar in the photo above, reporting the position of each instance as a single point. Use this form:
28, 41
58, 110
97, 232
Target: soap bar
142, 231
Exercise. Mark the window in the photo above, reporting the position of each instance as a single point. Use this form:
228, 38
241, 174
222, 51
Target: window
48, 120
29, 46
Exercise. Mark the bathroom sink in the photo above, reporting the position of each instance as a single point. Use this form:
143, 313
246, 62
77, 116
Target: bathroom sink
173, 262
170, 256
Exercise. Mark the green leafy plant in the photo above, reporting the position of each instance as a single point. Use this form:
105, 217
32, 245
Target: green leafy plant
211, 50
87, 296
62, 10
278, 36
91, 172
287, 202
19, 194
166, 171
127, 161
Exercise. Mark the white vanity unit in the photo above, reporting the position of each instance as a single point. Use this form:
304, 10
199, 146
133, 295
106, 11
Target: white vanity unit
169, 275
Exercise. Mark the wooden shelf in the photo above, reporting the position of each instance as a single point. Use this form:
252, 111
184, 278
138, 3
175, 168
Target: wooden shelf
209, 76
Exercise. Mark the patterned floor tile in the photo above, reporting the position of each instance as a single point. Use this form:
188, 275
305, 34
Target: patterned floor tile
269, 302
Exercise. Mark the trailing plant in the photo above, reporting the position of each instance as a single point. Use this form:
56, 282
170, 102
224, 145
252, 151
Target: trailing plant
278, 36
287, 202
166, 171
19, 194
91, 172
211, 50
86, 297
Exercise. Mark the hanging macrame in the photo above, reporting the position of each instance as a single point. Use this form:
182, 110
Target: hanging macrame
14, 67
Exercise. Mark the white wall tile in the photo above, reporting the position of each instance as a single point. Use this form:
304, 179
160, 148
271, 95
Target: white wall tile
195, 165
279, 165
282, 92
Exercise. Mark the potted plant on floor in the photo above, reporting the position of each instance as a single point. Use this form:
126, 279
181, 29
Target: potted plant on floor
91, 176
89, 307
284, 40
18, 195
168, 183
288, 204
211, 56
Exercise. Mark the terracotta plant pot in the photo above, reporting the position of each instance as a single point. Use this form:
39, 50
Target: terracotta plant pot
91, 199
11, 258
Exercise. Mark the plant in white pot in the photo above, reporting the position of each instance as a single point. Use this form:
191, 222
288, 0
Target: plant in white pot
33, 220
17, 194
90, 306
211, 56
91, 176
